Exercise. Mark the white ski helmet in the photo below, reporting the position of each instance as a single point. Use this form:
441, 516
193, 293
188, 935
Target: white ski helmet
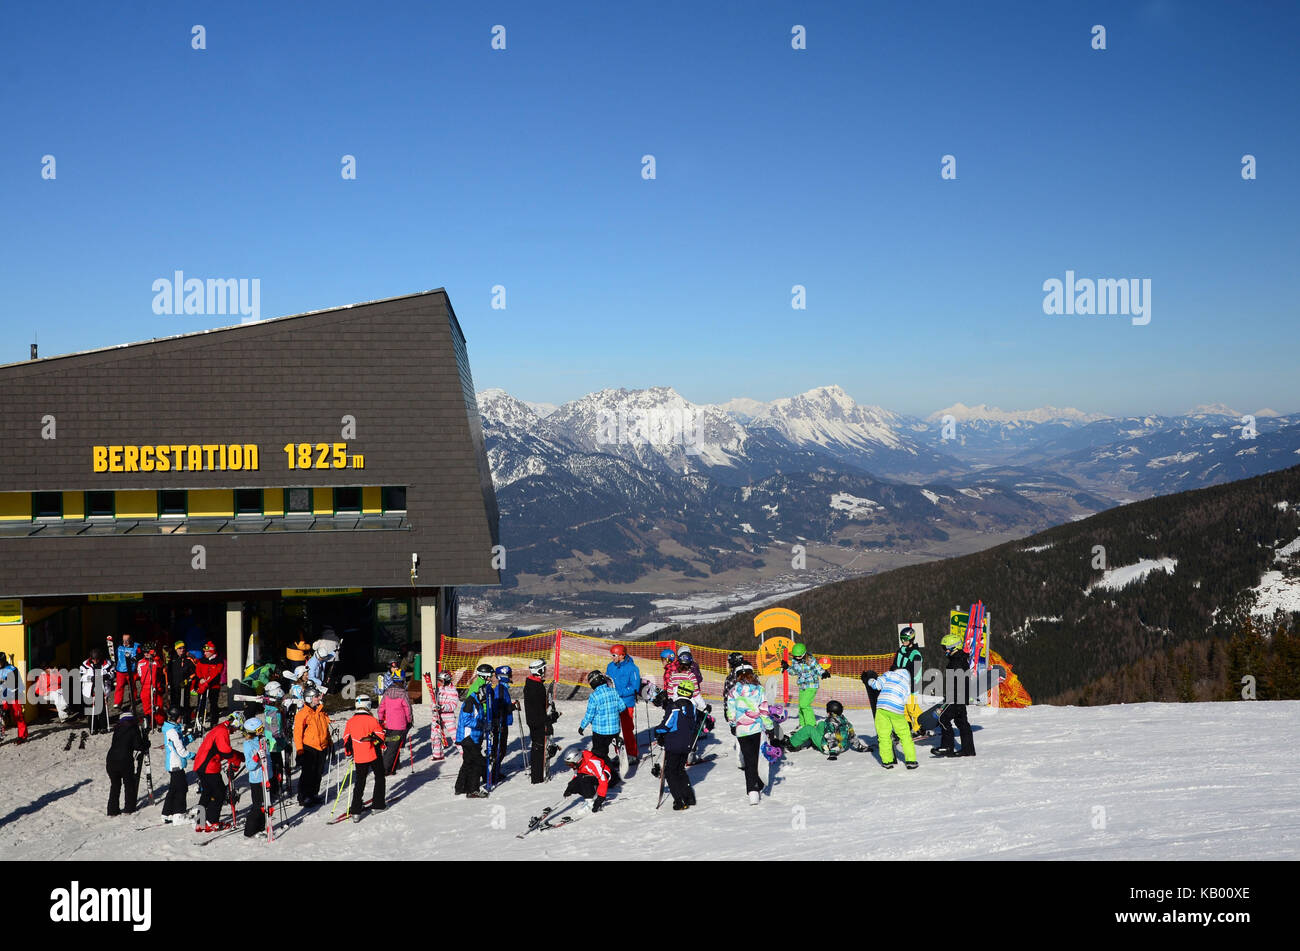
537, 667
362, 703
273, 690
573, 757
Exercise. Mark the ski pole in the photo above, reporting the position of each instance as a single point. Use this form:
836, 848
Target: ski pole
343, 784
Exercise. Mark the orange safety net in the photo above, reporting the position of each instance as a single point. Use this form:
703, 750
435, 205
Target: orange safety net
1011, 692
571, 657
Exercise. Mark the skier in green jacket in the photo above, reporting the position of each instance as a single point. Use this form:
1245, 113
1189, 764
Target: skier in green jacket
809, 675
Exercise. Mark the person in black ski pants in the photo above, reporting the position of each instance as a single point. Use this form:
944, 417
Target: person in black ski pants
956, 690
540, 722
677, 734
123, 763
474, 722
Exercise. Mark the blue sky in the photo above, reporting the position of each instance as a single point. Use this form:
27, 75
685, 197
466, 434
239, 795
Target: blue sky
775, 167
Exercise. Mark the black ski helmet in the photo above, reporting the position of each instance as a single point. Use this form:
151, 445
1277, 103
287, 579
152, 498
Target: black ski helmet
595, 679
483, 670
735, 659
834, 708
444, 677
174, 714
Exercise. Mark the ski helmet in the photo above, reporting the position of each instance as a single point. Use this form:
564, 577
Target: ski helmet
951, 641
537, 667
685, 656
744, 668
362, 703
618, 650
686, 689
666, 654
834, 708
274, 691
735, 659
235, 721
906, 635
444, 677
174, 714
573, 758
798, 650
504, 673
595, 679
299, 672
311, 695
483, 670
253, 725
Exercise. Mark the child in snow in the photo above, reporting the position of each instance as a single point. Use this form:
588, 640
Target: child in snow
809, 675
396, 717
540, 720
473, 723
604, 708
676, 734
590, 777
446, 705
749, 718
176, 757
363, 740
894, 687
255, 824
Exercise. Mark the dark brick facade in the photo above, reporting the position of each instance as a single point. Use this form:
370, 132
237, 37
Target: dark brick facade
399, 366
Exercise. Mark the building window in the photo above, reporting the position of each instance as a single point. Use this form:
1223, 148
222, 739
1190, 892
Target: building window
248, 501
47, 505
173, 502
100, 505
347, 501
394, 498
297, 501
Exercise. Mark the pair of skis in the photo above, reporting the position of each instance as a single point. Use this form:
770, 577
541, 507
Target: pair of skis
435, 728
556, 816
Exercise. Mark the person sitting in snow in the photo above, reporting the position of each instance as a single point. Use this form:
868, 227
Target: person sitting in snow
591, 777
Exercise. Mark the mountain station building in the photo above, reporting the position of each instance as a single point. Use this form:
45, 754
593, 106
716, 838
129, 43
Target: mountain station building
247, 485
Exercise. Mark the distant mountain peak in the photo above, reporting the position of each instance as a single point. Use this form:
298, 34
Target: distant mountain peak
1213, 409
992, 414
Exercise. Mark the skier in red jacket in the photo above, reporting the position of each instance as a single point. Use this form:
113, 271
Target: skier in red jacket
150, 674
209, 672
212, 752
590, 777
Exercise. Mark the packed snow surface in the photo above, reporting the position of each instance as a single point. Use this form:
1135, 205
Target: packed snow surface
1276, 592
1117, 578
1142, 781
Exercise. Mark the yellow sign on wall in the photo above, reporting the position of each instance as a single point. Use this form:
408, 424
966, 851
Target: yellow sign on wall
180, 458
11, 611
316, 592
109, 598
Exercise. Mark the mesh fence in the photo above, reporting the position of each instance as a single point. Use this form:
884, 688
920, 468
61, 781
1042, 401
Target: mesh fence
571, 657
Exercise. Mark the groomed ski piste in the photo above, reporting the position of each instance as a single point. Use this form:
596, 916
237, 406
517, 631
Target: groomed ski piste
1151, 781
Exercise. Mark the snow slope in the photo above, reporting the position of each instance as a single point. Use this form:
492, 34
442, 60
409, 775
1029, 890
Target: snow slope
1144, 781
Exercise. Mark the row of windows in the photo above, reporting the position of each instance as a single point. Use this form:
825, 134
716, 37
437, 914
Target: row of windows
183, 503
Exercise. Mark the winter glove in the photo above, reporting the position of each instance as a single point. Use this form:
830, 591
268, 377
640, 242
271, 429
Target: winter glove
553, 716
733, 729
784, 665
597, 803
826, 675
580, 729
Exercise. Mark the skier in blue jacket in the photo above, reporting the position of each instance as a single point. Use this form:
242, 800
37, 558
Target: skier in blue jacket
474, 721
626, 678
501, 708
677, 735
604, 708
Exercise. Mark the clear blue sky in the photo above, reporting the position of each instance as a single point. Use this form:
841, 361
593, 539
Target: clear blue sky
775, 167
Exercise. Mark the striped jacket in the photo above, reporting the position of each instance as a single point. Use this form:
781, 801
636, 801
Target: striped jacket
808, 672
603, 709
895, 687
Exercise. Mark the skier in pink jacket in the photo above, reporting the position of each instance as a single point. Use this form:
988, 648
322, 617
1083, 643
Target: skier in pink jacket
395, 716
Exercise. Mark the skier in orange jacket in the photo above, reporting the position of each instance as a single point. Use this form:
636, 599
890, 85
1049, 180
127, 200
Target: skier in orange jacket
363, 740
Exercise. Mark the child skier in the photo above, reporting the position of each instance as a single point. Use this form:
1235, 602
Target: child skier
591, 777
446, 707
677, 734
363, 740
255, 824
214, 752
474, 721
749, 718
809, 675
894, 687
277, 739
604, 708
396, 717
956, 691
176, 758
540, 721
